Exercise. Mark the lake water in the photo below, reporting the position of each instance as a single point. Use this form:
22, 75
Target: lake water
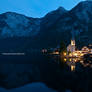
57, 73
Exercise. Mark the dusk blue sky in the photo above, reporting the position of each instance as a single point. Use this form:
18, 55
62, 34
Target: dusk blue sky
35, 8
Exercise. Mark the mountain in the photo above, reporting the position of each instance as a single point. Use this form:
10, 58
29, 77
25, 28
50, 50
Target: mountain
49, 31
83, 15
76, 21
51, 17
48, 35
16, 30
83, 11
19, 33
13, 24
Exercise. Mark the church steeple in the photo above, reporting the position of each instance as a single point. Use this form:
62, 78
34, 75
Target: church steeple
72, 41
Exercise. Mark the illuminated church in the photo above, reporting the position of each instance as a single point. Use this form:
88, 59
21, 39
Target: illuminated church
77, 53
71, 47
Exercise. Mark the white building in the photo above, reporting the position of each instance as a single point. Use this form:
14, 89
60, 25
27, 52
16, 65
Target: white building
71, 47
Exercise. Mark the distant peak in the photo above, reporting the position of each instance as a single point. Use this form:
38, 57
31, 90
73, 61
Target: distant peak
86, 3
61, 9
13, 14
83, 5
9, 13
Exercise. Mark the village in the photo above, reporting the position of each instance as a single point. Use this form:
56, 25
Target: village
72, 51
72, 54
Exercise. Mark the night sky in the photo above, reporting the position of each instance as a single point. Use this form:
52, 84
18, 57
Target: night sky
35, 8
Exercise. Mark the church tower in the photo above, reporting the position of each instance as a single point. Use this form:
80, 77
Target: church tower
73, 42
72, 45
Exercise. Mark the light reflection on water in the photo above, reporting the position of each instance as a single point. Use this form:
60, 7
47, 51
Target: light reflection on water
71, 62
72, 67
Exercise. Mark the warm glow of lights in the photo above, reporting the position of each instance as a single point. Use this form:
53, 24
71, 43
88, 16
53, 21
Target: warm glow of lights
57, 52
75, 54
72, 67
65, 59
75, 60
72, 42
70, 54
64, 53
81, 54
81, 61
70, 59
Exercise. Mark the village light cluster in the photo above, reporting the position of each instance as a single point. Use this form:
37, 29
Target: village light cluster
71, 50
77, 53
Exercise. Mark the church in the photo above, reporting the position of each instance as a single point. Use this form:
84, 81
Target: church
71, 47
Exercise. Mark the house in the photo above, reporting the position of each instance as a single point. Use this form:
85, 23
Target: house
77, 53
85, 50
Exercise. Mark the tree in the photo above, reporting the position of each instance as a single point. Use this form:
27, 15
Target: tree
62, 47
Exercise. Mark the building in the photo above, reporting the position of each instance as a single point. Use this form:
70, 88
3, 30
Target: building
71, 47
72, 52
85, 50
90, 48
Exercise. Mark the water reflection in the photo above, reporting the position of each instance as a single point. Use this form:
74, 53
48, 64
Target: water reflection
71, 62
72, 67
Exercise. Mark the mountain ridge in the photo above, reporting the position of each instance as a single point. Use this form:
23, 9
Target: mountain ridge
54, 27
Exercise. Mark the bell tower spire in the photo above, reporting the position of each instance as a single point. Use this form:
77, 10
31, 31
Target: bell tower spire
72, 41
